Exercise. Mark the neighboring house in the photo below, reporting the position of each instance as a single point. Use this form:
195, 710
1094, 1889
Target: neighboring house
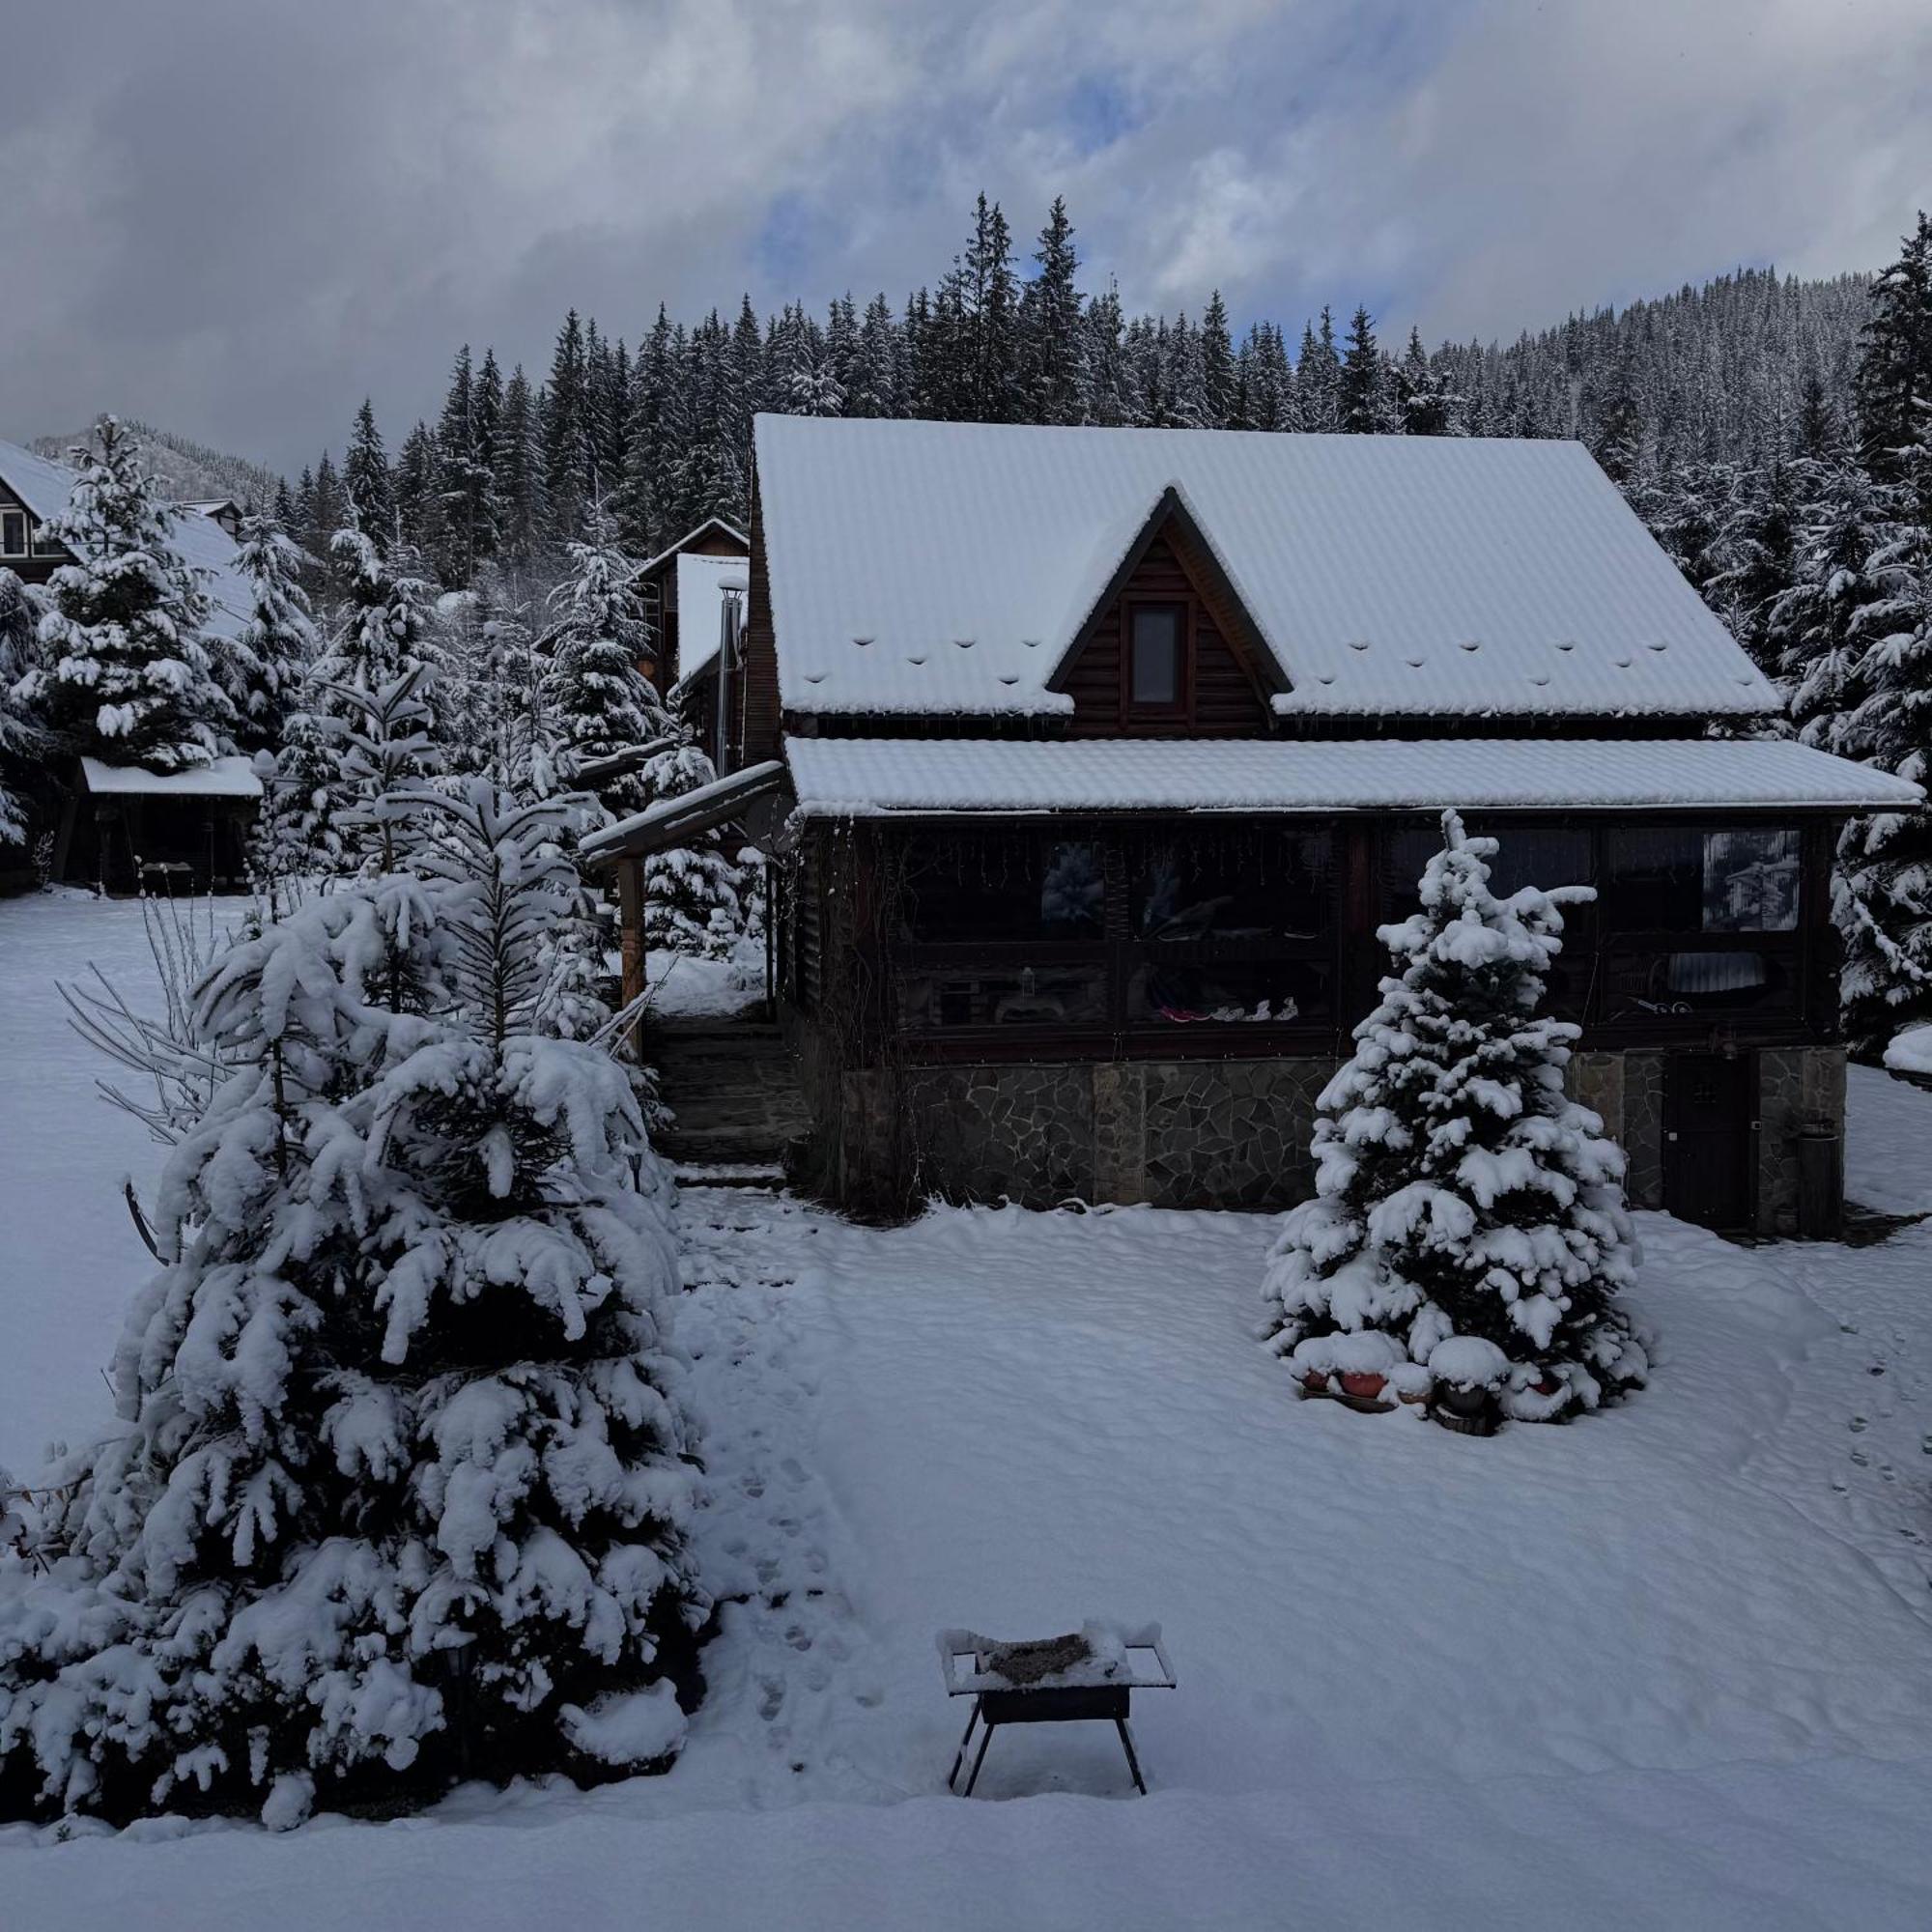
710, 687
657, 584
122, 827
1109, 750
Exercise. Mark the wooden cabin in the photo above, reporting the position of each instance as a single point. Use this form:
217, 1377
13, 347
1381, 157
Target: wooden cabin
657, 584
1107, 750
127, 830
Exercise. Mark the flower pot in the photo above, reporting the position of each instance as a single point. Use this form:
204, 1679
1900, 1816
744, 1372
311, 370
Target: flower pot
1465, 1402
1314, 1381
1363, 1387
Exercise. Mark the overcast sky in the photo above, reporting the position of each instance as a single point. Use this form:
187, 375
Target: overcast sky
235, 216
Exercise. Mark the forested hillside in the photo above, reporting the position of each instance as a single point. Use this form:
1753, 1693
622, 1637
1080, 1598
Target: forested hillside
185, 470
1746, 370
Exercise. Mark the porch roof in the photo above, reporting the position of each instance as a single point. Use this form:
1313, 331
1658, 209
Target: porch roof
220, 778
843, 778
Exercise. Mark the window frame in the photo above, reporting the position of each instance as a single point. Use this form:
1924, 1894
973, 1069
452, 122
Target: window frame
1181, 705
17, 513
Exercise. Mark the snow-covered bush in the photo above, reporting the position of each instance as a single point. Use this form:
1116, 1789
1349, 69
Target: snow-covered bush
399, 1489
1458, 1191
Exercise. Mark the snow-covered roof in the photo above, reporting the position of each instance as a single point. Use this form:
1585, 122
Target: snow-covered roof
703, 809
45, 485
701, 584
225, 777
946, 567
709, 526
868, 777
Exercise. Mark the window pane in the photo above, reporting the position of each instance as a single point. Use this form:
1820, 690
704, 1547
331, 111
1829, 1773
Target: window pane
1058, 997
1751, 881
1684, 984
1529, 855
959, 889
1671, 881
1182, 993
13, 533
1227, 885
1156, 654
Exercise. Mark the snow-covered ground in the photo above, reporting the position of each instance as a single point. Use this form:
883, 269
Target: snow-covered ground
1664, 1667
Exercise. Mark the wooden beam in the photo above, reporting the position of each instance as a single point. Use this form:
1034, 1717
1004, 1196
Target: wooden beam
630, 916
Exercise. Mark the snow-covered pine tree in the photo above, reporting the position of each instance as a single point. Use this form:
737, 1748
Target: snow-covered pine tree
1815, 627
1883, 885
367, 482
124, 671
400, 1489
22, 741
1458, 1191
598, 703
1361, 393
1894, 372
265, 663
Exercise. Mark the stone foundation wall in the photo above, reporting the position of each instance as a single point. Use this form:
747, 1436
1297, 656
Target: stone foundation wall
1213, 1133
1797, 1087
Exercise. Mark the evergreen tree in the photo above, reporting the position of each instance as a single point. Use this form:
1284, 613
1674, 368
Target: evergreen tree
414, 486
569, 456
1318, 377
1422, 399
1361, 407
874, 390
23, 743
400, 1487
1758, 546
1109, 386
1050, 317
1895, 374
518, 474
276, 643
1459, 1192
1815, 627
988, 301
124, 671
600, 704
466, 488
367, 482
1217, 367
1885, 860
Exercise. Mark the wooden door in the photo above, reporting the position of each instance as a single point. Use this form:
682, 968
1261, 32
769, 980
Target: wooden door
1709, 1107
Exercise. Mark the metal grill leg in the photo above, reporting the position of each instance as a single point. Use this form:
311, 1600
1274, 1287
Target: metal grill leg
986, 1738
1133, 1763
959, 1756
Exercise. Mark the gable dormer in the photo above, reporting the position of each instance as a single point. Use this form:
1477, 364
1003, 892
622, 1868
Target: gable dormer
1167, 650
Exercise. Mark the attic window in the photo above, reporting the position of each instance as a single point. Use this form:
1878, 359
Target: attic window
1154, 659
13, 533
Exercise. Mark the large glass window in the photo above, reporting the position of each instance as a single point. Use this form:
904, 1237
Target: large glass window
1217, 885
1002, 887
1670, 898
1156, 645
1529, 855
13, 533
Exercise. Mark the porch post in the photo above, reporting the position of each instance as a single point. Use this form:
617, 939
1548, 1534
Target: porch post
631, 918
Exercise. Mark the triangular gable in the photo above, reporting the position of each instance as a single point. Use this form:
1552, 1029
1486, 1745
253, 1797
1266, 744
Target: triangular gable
710, 525
1173, 519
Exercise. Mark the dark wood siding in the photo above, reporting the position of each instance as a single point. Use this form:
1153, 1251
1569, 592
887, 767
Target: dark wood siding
1222, 700
30, 569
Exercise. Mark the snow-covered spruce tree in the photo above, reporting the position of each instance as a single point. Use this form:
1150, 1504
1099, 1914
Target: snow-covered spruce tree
22, 741
693, 894
1459, 1192
262, 668
598, 703
1884, 885
122, 669
399, 1490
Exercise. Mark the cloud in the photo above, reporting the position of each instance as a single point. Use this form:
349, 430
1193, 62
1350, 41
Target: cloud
237, 217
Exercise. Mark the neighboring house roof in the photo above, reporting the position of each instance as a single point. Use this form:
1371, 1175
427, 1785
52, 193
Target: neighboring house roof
45, 485
225, 777
868, 777
710, 525
924, 567
701, 584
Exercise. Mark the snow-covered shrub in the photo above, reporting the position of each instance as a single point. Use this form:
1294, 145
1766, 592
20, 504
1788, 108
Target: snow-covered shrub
1458, 1191
402, 1473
